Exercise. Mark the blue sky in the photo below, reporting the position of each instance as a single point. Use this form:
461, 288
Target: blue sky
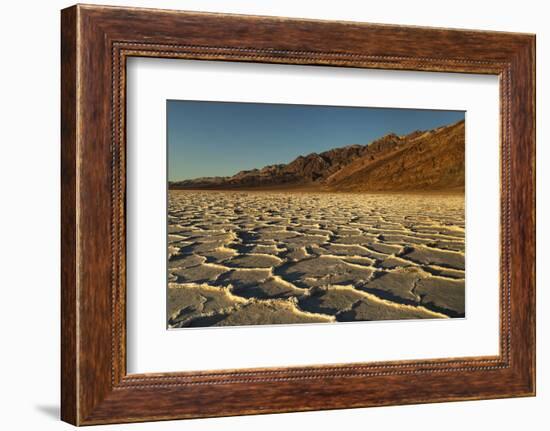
222, 138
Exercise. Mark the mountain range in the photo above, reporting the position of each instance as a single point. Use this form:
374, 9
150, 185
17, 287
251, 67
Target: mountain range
431, 160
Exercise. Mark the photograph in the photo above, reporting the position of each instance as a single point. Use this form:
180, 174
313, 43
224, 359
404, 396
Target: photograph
285, 213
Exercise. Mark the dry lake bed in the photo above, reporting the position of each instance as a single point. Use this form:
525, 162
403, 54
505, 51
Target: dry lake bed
252, 258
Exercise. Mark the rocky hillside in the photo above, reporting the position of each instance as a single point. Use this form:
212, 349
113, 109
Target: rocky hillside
421, 161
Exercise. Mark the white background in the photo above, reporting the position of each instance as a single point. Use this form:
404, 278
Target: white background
29, 178
151, 348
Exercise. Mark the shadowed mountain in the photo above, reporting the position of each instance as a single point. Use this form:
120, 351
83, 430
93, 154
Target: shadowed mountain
420, 161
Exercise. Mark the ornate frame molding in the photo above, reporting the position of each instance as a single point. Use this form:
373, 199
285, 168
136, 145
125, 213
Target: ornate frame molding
96, 41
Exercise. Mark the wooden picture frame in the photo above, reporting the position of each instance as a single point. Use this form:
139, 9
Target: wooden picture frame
95, 43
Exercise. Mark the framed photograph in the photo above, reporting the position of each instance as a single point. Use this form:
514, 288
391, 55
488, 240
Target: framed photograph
264, 215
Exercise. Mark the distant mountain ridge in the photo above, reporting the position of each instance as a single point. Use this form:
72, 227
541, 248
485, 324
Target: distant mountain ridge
420, 161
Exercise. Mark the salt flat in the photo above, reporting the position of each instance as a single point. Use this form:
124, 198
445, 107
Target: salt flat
248, 258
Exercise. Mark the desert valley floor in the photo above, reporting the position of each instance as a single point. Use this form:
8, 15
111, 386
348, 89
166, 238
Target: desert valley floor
247, 258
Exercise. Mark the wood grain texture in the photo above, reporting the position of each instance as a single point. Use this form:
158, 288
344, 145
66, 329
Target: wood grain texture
96, 41
69, 397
